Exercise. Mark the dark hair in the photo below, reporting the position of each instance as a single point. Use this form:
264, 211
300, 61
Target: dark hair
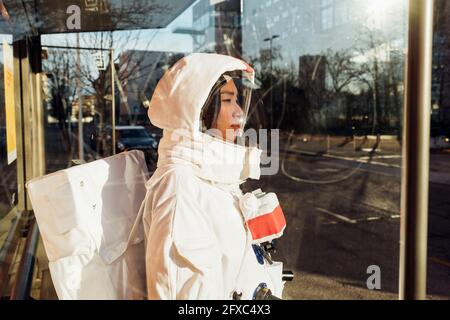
211, 108
210, 111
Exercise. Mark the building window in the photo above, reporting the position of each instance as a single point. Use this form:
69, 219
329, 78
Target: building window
326, 14
204, 21
326, 18
342, 13
326, 3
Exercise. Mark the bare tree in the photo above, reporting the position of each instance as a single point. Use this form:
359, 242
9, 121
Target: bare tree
99, 83
373, 45
383, 65
342, 71
129, 65
312, 81
60, 81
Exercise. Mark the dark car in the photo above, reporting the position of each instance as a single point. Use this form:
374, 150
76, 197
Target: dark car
134, 138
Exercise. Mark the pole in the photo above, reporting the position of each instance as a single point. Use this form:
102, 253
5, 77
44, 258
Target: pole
113, 102
328, 143
80, 105
416, 153
271, 84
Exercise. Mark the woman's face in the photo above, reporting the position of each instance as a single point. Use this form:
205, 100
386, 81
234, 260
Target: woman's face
230, 115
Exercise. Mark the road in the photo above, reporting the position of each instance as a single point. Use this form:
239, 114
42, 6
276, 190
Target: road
343, 216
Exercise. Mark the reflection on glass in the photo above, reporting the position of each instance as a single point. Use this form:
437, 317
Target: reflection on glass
27, 17
332, 82
137, 71
438, 218
8, 164
330, 77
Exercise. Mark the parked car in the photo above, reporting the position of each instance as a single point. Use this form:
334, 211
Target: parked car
133, 138
440, 142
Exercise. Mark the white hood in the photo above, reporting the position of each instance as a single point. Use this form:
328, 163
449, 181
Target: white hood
176, 106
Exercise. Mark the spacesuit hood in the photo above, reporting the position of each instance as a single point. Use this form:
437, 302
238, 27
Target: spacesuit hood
176, 106
181, 93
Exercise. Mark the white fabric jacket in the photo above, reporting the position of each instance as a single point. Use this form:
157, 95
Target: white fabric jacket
197, 243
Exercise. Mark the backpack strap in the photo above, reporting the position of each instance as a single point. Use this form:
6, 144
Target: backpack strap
136, 233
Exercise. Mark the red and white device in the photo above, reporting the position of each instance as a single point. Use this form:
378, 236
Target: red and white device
264, 216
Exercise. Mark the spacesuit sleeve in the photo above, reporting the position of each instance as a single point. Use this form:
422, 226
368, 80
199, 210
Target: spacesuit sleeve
183, 260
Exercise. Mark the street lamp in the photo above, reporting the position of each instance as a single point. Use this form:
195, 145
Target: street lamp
80, 103
270, 39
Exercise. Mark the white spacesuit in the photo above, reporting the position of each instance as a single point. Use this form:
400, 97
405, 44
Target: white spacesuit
198, 245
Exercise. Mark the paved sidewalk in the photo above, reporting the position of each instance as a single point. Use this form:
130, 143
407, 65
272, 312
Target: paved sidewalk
359, 150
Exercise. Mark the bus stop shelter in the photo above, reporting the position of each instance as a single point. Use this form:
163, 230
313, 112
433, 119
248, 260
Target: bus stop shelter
27, 20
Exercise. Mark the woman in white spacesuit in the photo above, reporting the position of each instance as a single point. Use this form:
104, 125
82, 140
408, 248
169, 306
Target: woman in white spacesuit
197, 240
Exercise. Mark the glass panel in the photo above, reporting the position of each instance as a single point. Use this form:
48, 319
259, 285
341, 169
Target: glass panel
137, 71
439, 205
29, 17
140, 59
331, 80
332, 83
330, 77
8, 163
62, 90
